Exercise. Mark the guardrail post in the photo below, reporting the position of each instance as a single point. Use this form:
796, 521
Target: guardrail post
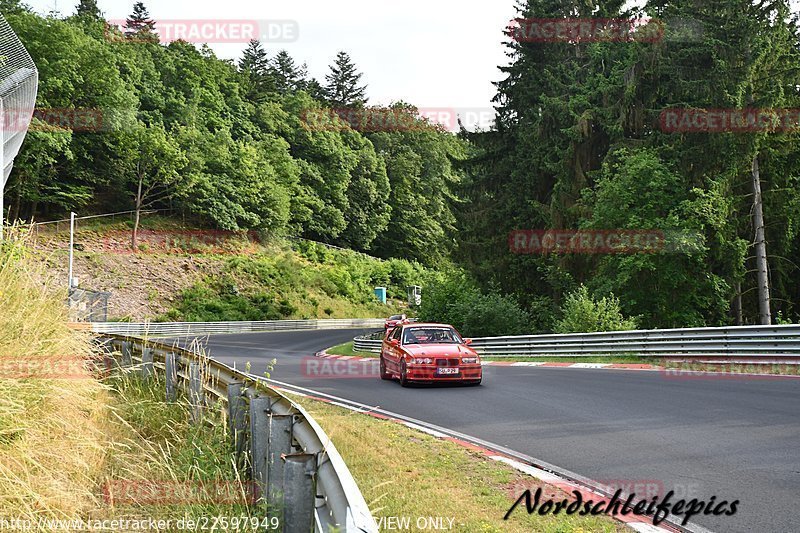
196, 392
147, 363
299, 495
237, 419
171, 375
280, 444
109, 361
259, 445
127, 354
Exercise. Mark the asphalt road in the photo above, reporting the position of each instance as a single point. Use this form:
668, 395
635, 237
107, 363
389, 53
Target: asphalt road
736, 439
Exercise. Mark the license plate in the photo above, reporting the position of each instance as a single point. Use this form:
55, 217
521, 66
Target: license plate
447, 371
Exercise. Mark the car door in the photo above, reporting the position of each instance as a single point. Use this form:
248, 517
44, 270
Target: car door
393, 351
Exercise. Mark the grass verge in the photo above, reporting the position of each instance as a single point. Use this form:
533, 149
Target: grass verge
405, 473
52, 411
164, 467
74, 448
347, 349
611, 359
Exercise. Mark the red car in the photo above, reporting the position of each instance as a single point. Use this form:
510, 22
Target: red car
429, 353
393, 321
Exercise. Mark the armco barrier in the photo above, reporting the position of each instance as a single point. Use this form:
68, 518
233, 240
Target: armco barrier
316, 488
743, 341
179, 329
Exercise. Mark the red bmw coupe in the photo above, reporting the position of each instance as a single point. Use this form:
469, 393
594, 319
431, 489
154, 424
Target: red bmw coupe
429, 353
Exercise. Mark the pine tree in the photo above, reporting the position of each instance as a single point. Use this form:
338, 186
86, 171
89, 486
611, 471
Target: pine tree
287, 75
255, 65
315, 89
139, 23
88, 8
342, 88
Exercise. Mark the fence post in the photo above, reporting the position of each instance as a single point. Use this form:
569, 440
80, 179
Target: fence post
109, 361
147, 363
280, 444
127, 354
299, 495
196, 396
171, 375
237, 419
259, 445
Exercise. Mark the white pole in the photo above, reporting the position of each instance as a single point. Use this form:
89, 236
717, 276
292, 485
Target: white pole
2, 186
71, 244
2, 164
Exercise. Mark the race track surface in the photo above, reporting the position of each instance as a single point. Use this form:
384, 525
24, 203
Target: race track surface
736, 439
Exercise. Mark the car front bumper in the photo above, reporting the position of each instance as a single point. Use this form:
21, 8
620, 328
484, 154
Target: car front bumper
429, 373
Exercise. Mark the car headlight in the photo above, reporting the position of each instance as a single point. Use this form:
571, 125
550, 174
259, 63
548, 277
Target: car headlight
470, 360
421, 361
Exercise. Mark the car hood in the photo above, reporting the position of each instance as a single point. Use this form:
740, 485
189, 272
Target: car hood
440, 350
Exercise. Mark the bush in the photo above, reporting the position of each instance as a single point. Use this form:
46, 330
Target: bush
457, 301
583, 314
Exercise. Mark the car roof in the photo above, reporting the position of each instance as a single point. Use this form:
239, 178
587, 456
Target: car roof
427, 324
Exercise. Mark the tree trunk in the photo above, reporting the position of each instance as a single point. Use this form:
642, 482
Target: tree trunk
134, 237
762, 267
17, 203
737, 304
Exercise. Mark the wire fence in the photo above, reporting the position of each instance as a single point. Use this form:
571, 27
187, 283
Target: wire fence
19, 83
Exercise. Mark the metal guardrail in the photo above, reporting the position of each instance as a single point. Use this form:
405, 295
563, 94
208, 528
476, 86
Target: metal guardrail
368, 343
179, 329
315, 485
742, 341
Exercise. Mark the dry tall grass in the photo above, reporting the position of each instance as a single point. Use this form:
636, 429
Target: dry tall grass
52, 416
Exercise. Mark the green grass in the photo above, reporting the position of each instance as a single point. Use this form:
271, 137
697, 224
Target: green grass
611, 359
52, 430
156, 446
405, 473
347, 349
737, 368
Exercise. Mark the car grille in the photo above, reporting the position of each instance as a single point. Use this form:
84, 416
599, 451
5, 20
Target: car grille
447, 362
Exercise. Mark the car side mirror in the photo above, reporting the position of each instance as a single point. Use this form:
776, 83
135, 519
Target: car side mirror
394, 342
467, 341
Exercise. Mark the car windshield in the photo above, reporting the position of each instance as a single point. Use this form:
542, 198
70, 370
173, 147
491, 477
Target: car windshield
396, 317
431, 336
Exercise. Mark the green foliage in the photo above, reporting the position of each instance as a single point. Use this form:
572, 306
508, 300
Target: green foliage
578, 145
636, 190
584, 314
456, 300
225, 145
342, 87
310, 281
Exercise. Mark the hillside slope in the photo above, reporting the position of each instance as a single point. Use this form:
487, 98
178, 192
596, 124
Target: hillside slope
183, 273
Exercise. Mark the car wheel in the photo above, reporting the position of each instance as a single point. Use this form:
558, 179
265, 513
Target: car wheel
404, 374
384, 374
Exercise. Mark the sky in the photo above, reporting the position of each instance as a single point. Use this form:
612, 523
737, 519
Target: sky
431, 53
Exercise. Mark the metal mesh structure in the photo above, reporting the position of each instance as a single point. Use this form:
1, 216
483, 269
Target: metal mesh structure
88, 306
19, 82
